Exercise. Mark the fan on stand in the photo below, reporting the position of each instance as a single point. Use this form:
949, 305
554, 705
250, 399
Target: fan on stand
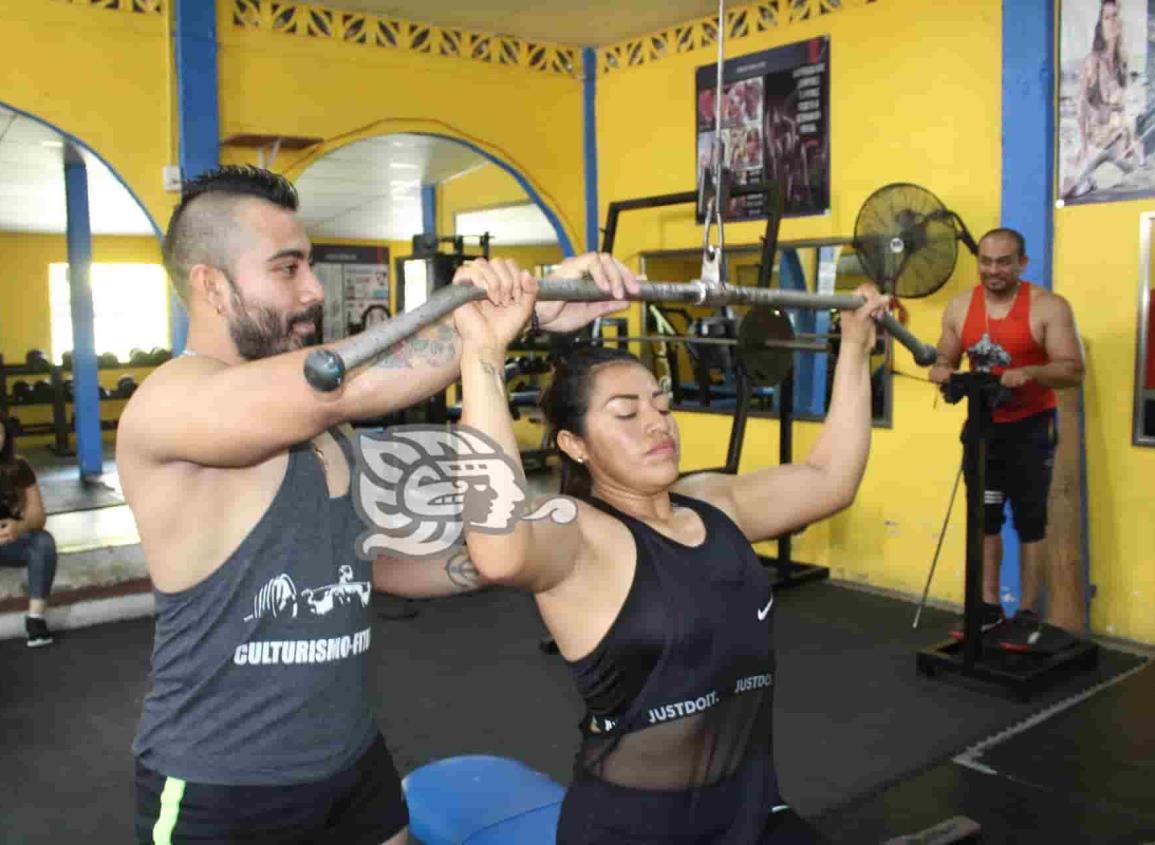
907, 240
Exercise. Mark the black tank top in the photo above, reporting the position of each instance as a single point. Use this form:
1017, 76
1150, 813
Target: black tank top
679, 692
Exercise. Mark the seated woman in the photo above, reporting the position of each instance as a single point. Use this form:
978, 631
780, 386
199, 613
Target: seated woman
653, 593
23, 540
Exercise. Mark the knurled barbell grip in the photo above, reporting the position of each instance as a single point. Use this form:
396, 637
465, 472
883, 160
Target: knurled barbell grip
327, 368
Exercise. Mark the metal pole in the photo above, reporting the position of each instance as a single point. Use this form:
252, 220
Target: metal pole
785, 456
800, 345
326, 368
975, 457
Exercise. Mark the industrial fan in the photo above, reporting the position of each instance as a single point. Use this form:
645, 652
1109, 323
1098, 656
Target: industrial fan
906, 240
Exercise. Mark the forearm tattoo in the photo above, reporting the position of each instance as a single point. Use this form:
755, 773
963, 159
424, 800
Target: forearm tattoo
462, 572
435, 346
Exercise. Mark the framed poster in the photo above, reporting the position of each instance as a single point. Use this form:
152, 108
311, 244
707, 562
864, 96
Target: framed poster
1104, 117
775, 126
356, 280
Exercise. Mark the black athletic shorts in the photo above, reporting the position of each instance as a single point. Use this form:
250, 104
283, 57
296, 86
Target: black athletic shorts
362, 805
1020, 459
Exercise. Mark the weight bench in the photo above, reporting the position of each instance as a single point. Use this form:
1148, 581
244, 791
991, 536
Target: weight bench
481, 800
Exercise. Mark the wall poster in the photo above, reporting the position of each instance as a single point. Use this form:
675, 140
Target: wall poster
1104, 115
775, 125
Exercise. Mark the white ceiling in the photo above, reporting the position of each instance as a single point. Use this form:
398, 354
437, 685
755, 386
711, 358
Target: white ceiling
591, 23
32, 184
372, 188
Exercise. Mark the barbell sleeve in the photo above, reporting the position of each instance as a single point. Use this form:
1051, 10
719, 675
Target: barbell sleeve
326, 369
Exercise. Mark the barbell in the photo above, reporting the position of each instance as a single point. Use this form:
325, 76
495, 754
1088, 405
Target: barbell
326, 368
764, 346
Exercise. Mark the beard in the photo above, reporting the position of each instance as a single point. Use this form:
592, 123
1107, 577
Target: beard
261, 332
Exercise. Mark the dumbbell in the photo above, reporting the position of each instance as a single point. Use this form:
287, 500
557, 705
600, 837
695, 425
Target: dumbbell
125, 387
36, 358
21, 392
42, 391
66, 360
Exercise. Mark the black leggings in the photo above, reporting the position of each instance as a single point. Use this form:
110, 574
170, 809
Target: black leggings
37, 551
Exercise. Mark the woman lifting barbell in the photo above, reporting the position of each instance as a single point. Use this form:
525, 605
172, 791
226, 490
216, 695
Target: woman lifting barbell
653, 593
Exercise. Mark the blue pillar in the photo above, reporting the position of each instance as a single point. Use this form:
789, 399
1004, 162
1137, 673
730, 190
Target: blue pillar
590, 143
1028, 122
792, 277
86, 401
195, 48
429, 209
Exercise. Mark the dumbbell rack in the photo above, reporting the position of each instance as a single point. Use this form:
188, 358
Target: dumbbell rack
60, 427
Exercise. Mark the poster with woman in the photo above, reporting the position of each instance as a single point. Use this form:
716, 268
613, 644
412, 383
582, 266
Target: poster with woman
775, 119
1105, 116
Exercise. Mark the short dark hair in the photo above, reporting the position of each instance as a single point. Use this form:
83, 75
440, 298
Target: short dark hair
1014, 234
201, 226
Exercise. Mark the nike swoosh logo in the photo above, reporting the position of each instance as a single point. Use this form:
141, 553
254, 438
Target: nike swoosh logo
764, 612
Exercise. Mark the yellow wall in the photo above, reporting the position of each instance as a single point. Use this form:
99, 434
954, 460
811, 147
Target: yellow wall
101, 76
313, 87
25, 321
1096, 267
489, 186
941, 132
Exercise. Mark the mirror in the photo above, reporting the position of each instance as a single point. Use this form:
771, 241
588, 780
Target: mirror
683, 366
1144, 432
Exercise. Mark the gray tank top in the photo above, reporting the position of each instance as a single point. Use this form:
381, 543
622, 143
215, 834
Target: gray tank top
259, 671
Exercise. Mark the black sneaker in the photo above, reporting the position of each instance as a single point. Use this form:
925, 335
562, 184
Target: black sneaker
38, 633
1028, 634
991, 617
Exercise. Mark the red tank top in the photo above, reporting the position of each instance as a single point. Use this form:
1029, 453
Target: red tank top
1000, 345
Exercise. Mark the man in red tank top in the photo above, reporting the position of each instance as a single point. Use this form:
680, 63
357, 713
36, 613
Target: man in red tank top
1026, 335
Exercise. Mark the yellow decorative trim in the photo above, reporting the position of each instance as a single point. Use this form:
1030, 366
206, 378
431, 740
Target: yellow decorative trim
307, 20
138, 7
741, 22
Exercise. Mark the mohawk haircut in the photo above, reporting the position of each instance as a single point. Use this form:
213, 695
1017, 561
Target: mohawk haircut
202, 228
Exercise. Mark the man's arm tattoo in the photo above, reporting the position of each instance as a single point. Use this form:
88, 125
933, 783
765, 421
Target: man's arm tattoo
462, 572
434, 346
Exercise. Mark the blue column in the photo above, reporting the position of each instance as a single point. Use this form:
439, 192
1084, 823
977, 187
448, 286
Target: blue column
429, 209
195, 48
792, 277
590, 143
86, 401
1028, 122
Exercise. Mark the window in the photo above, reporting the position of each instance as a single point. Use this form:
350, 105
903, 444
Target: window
129, 304
510, 225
